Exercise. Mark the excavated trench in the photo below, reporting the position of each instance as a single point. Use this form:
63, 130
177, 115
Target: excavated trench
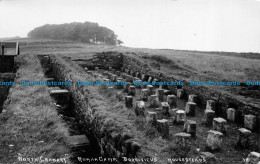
82, 143
6, 80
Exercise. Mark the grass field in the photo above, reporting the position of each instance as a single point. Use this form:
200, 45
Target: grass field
29, 124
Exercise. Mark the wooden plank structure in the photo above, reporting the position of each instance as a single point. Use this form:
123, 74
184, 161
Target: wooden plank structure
8, 50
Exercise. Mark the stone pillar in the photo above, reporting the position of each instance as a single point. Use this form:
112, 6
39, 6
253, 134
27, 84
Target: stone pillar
172, 112
126, 88
163, 127
160, 93
211, 104
150, 79
119, 85
118, 73
182, 140
193, 98
190, 127
150, 89
172, 101
165, 107
231, 114
144, 94
129, 101
113, 70
208, 157
114, 78
250, 122
180, 93
154, 101
95, 75
243, 140
220, 124
109, 68
131, 90
151, 118
180, 116
214, 140
253, 158
190, 108
138, 85
208, 117
140, 108
143, 77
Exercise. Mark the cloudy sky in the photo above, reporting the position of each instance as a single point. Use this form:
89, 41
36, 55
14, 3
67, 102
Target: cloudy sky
211, 25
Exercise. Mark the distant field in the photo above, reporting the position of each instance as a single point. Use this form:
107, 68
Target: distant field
183, 65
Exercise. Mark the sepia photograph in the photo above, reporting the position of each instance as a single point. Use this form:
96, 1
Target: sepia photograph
129, 81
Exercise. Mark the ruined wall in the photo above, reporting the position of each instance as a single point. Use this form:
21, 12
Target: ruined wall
224, 101
110, 143
108, 59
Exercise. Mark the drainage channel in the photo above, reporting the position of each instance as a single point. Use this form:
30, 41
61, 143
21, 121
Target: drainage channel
81, 144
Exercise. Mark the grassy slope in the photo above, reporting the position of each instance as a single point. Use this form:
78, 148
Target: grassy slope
30, 122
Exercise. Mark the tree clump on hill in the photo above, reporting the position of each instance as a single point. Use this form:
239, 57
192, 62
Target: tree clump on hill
85, 32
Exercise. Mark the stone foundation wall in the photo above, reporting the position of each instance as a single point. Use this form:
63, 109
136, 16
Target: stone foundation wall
110, 143
108, 59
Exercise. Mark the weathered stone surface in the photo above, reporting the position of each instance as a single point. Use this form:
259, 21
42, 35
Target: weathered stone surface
135, 147
208, 157
214, 140
190, 108
250, 122
140, 108
253, 158
183, 140
154, 101
165, 107
151, 117
211, 104
129, 101
150, 89
114, 78
163, 127
180, 93
96, 68
119, 86
190, 127
180, 116
243, 140
172, 101
172, 112
220, 124
78, 140
120, 96
231, 114
160, 93
144, 94
193, 98
208, 117
131, 90
95, 75
150, 79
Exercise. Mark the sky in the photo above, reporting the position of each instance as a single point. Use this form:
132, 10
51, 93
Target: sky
205, 25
